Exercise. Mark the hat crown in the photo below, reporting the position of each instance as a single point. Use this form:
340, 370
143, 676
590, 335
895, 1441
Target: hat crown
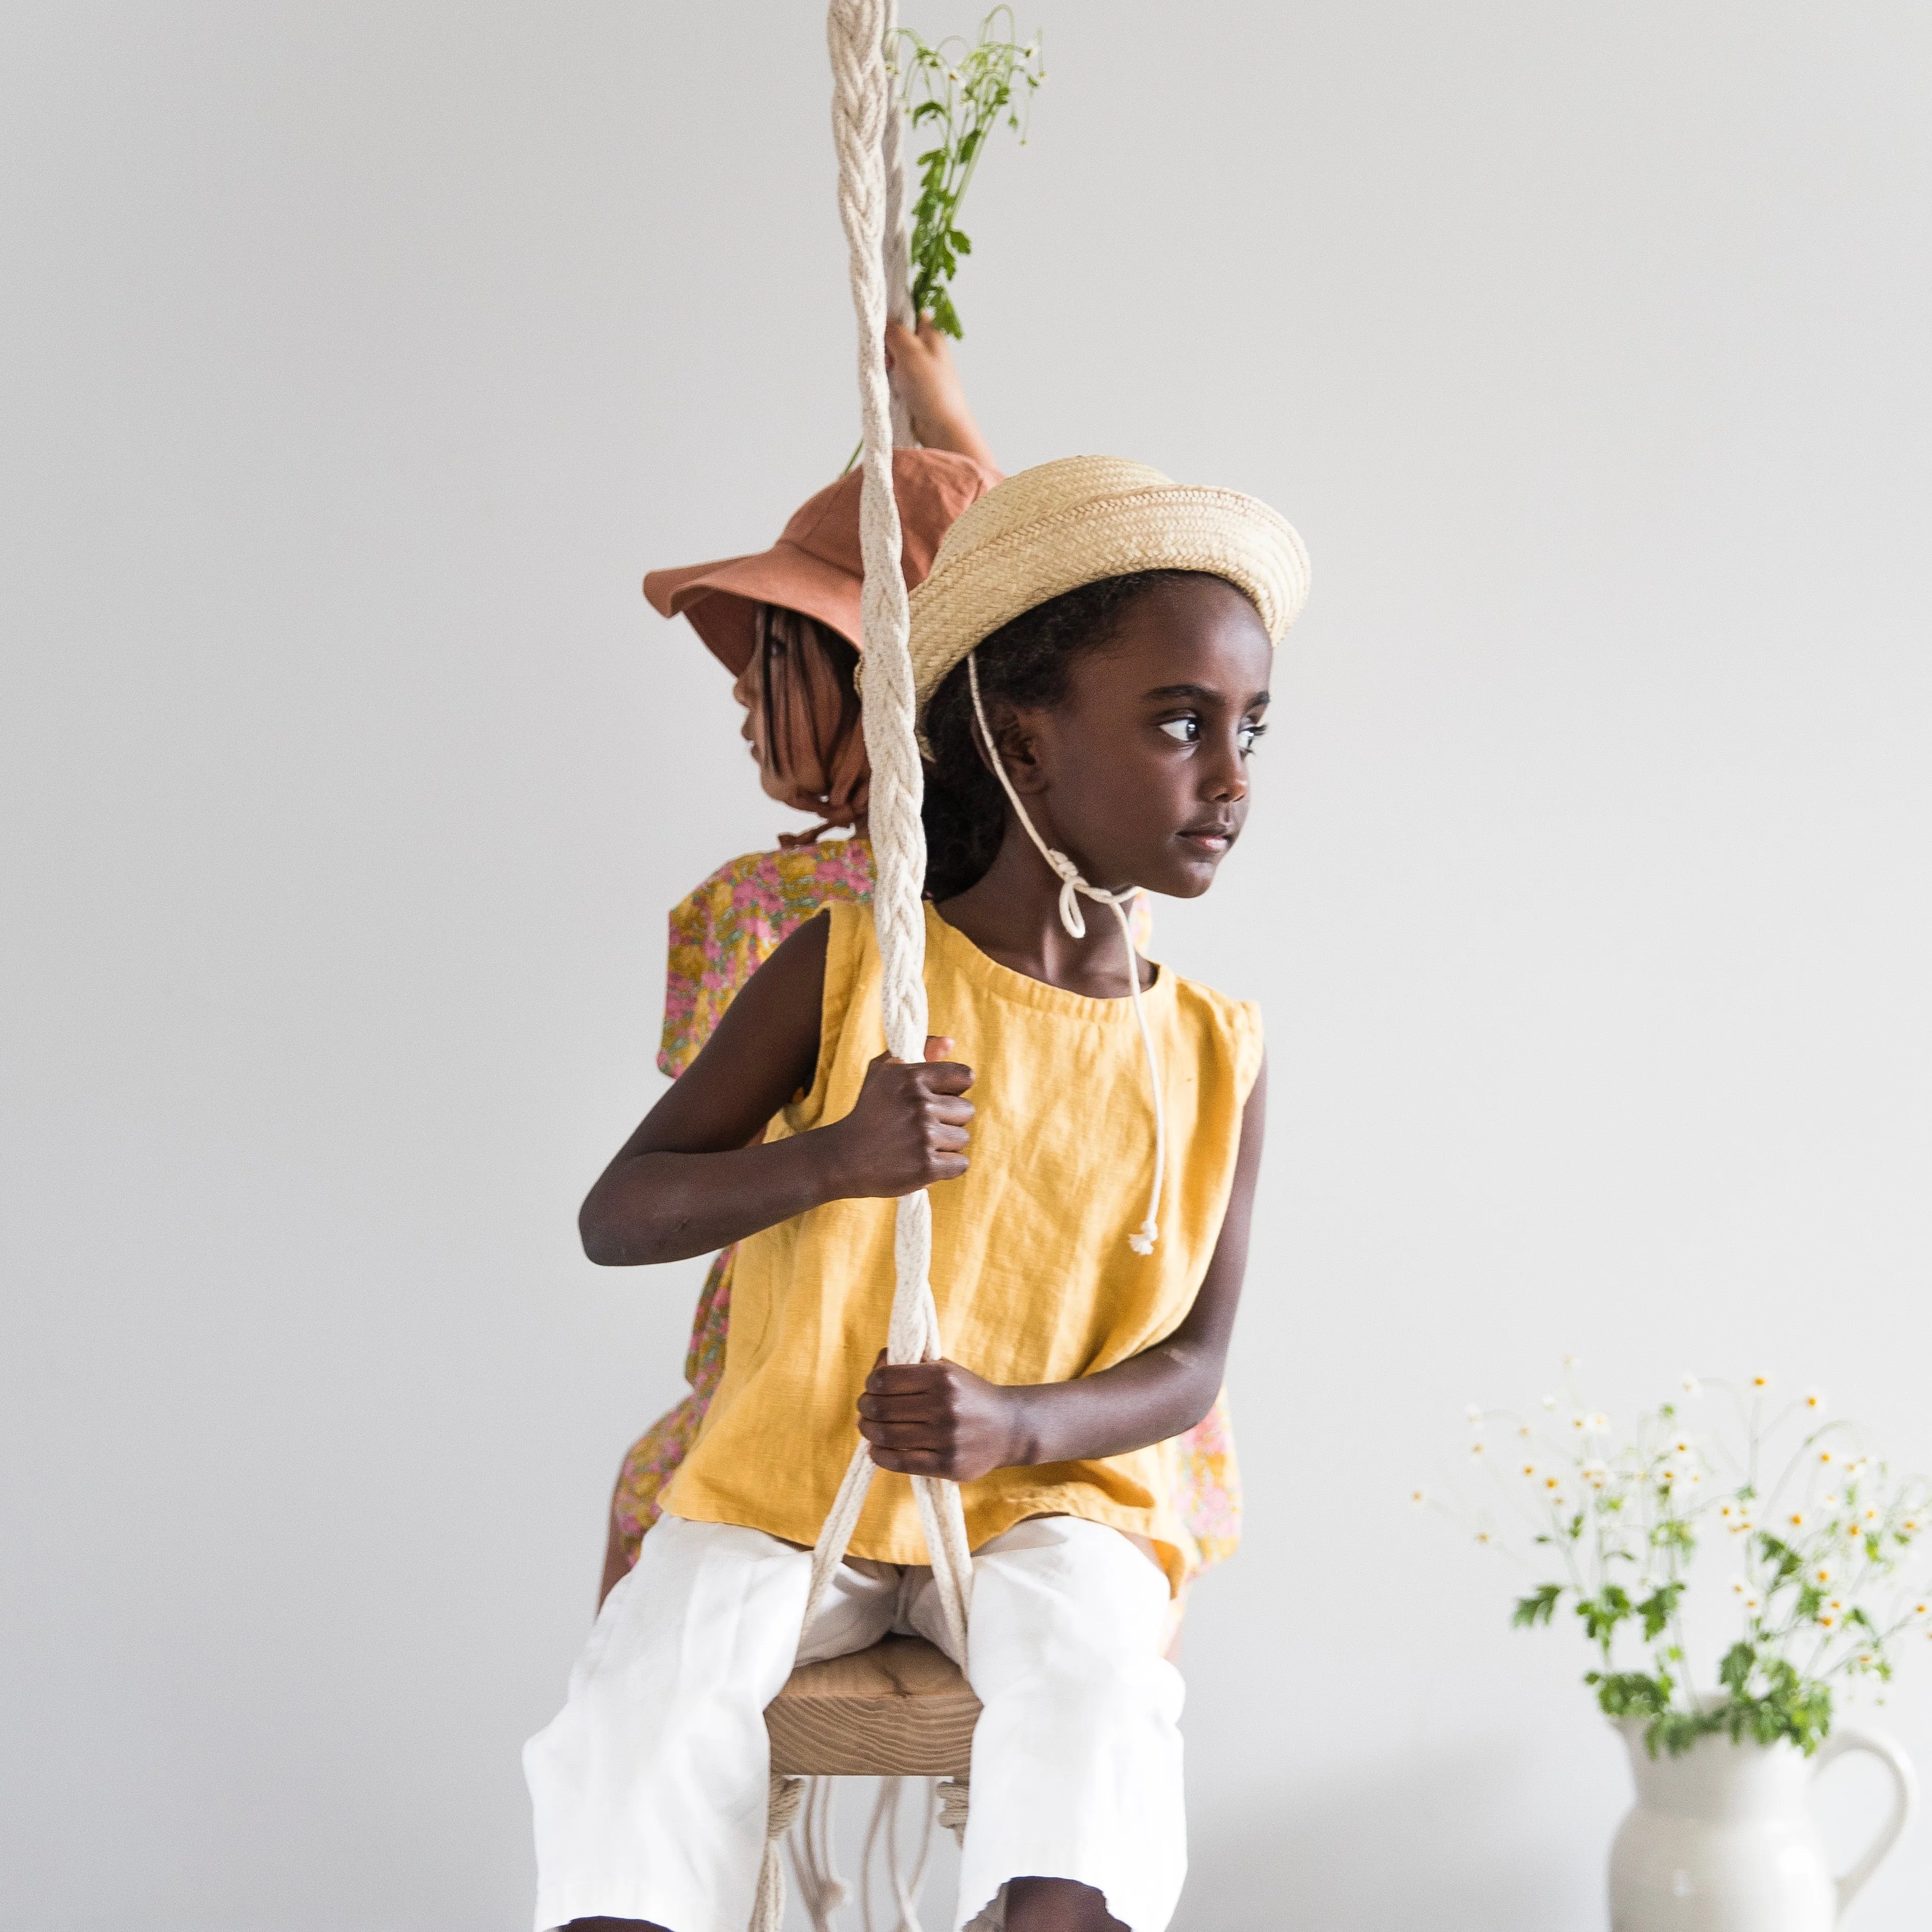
1045, 491
1054, 528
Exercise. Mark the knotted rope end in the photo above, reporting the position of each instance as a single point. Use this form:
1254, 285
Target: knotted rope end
1142, 1240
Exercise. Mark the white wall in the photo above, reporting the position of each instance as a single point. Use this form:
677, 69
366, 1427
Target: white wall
360, 358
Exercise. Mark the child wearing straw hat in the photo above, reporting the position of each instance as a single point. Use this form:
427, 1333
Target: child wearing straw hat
1092, 651
785, 623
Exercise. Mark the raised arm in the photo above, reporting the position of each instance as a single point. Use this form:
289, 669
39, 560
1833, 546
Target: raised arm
927, 380
938, 1419
697, 1175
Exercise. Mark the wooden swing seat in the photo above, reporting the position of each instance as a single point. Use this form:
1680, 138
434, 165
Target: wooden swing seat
901, 1709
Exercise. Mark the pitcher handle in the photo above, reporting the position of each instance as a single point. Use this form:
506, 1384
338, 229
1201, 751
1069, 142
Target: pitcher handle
1904, 1801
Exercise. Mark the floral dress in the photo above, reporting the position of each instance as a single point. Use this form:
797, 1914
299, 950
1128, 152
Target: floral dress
719, 937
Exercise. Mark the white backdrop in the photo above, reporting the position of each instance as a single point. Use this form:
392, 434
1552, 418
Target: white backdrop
359, 358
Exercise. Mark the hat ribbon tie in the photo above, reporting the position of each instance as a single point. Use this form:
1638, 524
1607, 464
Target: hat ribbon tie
1072, 888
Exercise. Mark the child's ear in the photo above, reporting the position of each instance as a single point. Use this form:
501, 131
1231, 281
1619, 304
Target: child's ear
1019, 748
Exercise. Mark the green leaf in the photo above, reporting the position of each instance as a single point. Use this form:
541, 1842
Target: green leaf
1538, 1607
1603, 1612
1657, 1609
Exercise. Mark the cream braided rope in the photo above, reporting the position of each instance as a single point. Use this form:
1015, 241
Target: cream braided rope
863, 105
868, 134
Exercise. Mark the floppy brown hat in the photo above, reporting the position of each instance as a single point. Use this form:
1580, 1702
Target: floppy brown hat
816, 565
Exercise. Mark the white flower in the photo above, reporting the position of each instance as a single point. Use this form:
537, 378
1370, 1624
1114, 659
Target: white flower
1474, 1413
1760, 1382
1596, 1473
1814, 1399
1692, 1386
1572, 1361
1523, 1432
1822, 1573
1553, 1483
1418, 1496
1528, 1469
1797, 1520
1476, 1448
1683, 1446
1827, 1618
1549, 1401
1824, 1456
1910, 1525
1922, 1609
1485, 1536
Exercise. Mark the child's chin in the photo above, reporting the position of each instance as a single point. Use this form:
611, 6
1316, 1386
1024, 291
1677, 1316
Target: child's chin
1189, 879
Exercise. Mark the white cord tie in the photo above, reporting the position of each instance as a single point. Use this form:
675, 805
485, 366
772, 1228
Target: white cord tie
1072, 888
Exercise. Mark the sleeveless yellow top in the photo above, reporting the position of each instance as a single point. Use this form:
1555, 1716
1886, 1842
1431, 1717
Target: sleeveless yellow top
1031, 1270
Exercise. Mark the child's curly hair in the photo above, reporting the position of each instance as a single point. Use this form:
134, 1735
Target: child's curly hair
1027, 662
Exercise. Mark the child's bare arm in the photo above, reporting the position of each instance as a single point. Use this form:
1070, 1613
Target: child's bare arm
696, 1175
927, 380
938, 1419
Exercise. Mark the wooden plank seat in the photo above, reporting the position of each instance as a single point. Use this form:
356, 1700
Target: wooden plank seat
901, 1709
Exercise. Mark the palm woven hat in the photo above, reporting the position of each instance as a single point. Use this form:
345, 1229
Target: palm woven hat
1053, 528
816, 565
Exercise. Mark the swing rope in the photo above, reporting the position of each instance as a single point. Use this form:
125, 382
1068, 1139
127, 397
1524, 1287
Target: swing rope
863, 106
868, 136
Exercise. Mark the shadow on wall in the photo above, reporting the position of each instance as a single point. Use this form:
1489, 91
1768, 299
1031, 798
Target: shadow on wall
1415, 1843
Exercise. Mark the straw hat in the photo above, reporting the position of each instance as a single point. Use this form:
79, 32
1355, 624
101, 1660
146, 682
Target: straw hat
816, 565
1051, 530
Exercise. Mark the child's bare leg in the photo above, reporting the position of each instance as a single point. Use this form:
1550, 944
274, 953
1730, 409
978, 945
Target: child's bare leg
1057, 1905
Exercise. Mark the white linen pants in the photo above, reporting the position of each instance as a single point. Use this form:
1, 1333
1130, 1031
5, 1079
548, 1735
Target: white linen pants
650, 1786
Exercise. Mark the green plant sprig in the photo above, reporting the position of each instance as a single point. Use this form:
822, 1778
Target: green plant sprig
1820, 1549
959, 91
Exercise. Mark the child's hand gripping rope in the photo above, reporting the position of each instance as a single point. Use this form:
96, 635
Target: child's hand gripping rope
908, 1128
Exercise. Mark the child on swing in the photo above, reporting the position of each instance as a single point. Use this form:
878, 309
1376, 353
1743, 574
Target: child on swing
785, 623
1092, 652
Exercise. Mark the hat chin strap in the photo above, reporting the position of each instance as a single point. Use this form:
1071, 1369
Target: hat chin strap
1072, 890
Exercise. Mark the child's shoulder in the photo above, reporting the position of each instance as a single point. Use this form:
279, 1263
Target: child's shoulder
1233, 1025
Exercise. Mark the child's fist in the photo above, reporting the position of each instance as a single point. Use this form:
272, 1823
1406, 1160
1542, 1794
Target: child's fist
908, 1128
938, 1419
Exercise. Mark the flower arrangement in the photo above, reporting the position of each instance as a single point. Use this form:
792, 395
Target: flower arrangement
1819, 1531
960, 90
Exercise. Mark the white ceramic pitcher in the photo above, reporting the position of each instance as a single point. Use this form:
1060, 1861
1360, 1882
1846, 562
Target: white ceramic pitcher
1722, 1839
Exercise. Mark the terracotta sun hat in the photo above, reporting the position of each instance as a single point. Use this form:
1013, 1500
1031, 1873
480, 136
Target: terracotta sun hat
816, 566
1051, 529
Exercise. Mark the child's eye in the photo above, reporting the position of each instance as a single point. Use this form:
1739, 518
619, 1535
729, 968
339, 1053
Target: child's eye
1251, 735
1185, 731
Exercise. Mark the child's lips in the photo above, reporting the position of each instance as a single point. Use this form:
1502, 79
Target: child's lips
1214, 839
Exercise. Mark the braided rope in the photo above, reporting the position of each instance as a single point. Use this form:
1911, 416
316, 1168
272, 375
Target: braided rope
864, 105
868, 134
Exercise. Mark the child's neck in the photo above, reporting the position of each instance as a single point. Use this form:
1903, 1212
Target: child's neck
1012, 915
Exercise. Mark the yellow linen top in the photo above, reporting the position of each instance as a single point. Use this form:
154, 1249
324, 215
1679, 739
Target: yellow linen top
1031, 1269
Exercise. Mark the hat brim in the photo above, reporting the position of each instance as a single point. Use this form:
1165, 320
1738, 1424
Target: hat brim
721, 599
